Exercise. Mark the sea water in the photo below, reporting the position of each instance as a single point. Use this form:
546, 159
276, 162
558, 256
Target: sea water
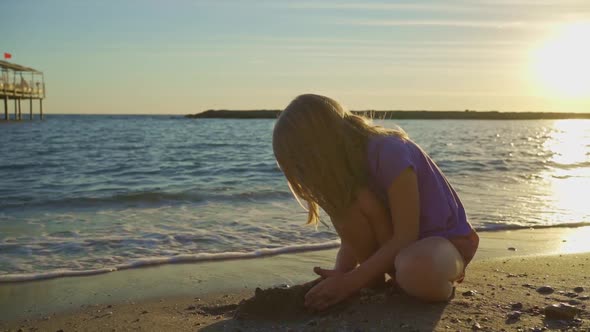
82, 194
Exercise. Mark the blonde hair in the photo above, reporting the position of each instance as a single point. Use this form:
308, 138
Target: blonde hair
322, 150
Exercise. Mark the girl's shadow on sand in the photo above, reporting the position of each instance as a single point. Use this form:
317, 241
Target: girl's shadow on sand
282, 310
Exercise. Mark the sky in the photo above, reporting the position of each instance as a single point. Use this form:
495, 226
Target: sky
179, 57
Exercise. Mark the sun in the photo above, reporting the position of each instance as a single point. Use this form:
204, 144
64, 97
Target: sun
561, 65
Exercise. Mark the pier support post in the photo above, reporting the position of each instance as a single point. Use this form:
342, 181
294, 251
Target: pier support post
41, 109
30, 108
6, 117
15, 110
20, 114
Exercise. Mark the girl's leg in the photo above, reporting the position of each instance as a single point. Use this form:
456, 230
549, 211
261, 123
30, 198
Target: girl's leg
356, 231
359, 236
428, 268
363, 234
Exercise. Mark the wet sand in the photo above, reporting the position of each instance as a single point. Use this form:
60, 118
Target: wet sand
500, 292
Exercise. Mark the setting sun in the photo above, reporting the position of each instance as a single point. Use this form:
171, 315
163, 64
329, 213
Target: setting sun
561, 64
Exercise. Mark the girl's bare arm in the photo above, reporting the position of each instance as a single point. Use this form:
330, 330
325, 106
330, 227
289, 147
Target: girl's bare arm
345, 260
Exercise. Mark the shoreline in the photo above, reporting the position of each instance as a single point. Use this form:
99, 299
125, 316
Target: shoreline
230, 256
173, 282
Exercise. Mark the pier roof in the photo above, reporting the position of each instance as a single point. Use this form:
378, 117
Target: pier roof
15, 67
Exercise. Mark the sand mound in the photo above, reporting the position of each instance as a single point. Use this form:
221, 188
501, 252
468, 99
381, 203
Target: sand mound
277, 303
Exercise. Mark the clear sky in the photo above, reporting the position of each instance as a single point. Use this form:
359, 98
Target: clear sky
178, 57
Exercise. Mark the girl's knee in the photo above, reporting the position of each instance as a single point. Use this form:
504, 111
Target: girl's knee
419, 278
436, 254
427, 269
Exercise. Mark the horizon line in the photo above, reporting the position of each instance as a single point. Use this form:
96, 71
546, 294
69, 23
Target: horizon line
352, 110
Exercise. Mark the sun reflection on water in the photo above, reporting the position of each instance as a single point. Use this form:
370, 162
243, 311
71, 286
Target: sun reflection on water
570, 142
569, 171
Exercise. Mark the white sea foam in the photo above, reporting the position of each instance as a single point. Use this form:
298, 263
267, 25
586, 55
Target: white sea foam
150, 261
52, 274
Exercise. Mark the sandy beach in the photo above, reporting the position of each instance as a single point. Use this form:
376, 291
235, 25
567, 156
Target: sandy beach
504, 289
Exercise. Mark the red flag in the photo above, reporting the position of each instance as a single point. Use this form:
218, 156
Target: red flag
7, 55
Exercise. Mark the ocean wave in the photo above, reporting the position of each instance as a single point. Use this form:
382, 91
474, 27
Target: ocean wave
581, 164
19, 166
148, 198
232, 255
151, 261
510, 227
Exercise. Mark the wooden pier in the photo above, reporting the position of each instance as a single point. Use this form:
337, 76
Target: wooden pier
19, 84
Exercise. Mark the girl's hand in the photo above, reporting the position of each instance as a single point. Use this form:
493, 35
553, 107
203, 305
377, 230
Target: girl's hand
326, 273
335, 287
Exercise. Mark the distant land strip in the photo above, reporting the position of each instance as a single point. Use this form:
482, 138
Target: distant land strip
402, 115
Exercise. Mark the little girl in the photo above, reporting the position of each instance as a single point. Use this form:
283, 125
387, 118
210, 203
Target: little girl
394, 210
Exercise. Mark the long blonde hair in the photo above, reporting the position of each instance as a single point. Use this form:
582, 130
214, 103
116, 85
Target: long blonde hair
322, 150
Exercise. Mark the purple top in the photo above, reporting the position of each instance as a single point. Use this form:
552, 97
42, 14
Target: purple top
441, 211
